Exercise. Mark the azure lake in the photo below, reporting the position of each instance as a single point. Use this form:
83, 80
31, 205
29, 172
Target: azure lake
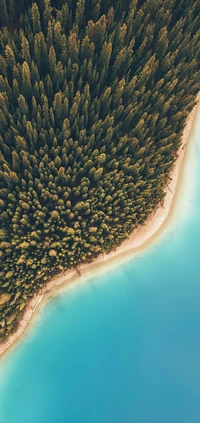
125, 346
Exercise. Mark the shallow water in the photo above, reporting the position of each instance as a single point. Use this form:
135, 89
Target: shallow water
124, 347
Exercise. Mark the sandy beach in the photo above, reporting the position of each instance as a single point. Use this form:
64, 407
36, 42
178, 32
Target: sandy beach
137, 242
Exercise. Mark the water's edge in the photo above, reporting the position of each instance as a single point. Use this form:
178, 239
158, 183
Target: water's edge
139, 241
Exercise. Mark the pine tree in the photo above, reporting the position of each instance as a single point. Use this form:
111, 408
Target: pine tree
35, 15
47, 12
4, 13
25, 50
10, 58
26, 79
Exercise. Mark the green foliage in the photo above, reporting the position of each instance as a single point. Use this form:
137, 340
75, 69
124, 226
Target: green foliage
93, 101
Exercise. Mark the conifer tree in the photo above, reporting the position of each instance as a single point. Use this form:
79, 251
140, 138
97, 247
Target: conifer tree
35, 14
4, 13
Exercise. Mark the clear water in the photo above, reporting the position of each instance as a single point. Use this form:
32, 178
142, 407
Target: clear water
124, 347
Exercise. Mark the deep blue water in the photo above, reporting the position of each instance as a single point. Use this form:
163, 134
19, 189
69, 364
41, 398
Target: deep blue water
124, 347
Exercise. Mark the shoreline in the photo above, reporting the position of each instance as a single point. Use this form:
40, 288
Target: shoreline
139, 240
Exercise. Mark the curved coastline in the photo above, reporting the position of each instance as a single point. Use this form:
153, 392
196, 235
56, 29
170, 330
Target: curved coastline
141, 239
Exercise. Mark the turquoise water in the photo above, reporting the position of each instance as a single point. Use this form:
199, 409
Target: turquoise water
124, 347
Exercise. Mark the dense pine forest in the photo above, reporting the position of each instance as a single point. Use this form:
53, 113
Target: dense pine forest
94, 95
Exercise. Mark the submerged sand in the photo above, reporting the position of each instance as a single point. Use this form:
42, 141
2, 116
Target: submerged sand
137, 242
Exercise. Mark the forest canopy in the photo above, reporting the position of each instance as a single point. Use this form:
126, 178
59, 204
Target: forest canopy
94, 95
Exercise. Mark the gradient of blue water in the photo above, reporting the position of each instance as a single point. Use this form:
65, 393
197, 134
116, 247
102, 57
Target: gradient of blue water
123, 348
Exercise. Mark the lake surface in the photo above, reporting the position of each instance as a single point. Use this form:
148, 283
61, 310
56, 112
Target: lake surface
124, 347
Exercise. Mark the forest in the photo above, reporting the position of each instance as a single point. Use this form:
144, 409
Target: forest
94, 96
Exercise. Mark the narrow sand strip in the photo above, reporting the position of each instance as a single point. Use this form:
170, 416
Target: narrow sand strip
138, 241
